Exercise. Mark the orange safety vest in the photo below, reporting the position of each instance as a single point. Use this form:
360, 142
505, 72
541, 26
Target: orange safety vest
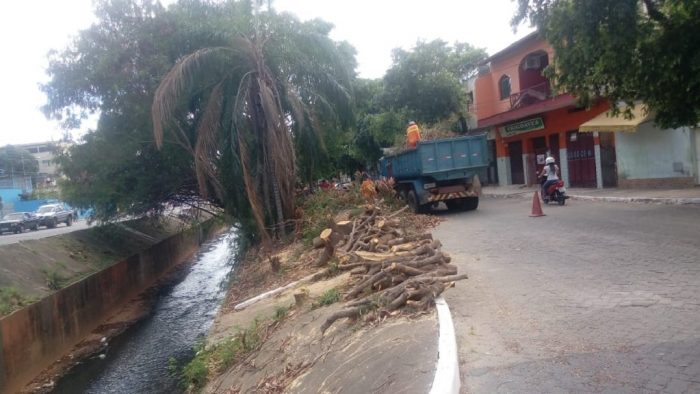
412, 135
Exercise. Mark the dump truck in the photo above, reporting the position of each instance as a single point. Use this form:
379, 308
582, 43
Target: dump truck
446, 170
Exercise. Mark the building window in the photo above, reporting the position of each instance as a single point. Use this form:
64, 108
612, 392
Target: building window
504, 87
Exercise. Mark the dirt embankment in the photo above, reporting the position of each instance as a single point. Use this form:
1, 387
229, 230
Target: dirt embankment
30, 270
279, 344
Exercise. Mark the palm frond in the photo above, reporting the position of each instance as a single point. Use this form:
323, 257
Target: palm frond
205, 146
174, 85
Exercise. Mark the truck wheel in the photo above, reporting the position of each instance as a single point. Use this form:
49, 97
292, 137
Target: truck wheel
35, 227
69, 221
471, 203
412, 201
53, 223
20, 229
455, 205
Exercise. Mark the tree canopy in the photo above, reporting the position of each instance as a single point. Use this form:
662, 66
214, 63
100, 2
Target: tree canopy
625, 50
427, 81
113, 68
274, 80
240, 96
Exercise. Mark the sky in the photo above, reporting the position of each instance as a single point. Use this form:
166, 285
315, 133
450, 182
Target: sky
29, 29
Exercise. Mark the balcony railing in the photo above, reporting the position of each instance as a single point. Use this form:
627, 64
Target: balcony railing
531, 95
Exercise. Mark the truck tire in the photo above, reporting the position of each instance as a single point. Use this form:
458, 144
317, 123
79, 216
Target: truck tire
471, 203
456, 205
69, 221
412, 200
53, 223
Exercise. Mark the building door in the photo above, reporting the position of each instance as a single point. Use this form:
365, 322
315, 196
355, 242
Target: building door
581, 159
539, 147
608, 159
554, 146
493, 168
515, 151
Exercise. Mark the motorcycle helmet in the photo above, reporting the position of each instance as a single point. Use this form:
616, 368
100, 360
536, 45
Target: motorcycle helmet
549, 160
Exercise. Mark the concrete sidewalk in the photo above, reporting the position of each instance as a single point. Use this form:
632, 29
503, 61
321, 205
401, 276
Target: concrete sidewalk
655, 196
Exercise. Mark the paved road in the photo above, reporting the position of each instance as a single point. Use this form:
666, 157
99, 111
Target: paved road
43, 232
594, 297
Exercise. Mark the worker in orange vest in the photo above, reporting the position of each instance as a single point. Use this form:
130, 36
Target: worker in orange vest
412, 134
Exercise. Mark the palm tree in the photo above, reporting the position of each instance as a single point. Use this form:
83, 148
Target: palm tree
274, 79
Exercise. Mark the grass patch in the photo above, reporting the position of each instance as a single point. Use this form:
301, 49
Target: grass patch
280, 313
222, 355
54, 281
327, 298
11, 299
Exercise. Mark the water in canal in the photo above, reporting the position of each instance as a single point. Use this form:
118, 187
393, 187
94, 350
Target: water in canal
137, 361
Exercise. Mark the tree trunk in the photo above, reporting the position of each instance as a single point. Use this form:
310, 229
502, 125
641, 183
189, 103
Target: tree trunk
278, 206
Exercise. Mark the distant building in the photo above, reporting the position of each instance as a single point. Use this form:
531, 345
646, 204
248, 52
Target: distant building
45, 154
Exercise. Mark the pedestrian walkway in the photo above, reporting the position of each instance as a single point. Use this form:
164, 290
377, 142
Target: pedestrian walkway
658, 196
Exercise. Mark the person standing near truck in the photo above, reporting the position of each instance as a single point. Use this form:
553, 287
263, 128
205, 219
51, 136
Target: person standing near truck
412, 134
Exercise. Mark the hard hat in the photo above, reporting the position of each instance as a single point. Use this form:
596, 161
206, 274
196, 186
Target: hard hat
549, 160
411, 123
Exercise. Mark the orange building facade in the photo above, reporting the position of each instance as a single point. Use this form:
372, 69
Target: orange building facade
526, 121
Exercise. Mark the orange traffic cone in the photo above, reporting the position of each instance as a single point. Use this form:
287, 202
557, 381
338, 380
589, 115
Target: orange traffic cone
536, 207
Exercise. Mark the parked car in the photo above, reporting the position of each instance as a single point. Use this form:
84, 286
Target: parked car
17, 222
51, 215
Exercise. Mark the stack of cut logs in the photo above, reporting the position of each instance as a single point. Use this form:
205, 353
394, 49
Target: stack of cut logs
392, 269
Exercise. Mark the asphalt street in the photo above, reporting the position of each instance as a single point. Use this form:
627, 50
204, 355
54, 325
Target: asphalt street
592, 298
43, 232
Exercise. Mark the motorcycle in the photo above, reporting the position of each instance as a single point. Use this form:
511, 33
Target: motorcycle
556, 192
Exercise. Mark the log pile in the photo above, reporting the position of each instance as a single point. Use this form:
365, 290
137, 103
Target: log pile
392, 269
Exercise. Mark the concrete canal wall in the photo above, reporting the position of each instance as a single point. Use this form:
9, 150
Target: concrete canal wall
34, 337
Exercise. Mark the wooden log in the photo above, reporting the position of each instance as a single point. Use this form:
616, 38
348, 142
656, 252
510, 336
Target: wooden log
373, 256
366, 284
406, 269
318, 243
413, 238
300, 297
354, 312
358, 270
326, 234
343, 227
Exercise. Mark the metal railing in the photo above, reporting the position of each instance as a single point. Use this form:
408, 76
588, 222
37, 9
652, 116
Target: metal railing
530, 95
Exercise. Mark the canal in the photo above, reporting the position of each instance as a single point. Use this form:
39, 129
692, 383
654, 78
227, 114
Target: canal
138, 360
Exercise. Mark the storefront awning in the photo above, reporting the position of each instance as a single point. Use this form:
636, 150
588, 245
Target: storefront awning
605, 122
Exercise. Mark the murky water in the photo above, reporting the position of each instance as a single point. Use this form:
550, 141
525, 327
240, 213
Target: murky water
137, 361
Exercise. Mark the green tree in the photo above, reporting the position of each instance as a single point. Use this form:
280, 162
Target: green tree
113, 69
625, 50
17, 161
427, 82
275, 79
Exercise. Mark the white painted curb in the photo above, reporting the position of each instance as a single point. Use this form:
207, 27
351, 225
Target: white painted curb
446, 379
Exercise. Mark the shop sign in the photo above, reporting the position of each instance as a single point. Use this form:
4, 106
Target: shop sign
523, 126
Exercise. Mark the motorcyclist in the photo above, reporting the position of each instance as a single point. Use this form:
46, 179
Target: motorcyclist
551, 172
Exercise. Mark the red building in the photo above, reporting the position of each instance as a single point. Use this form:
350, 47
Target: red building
526, 120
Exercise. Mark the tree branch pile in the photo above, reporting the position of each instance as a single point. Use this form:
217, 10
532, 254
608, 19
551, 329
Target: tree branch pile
392, 270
